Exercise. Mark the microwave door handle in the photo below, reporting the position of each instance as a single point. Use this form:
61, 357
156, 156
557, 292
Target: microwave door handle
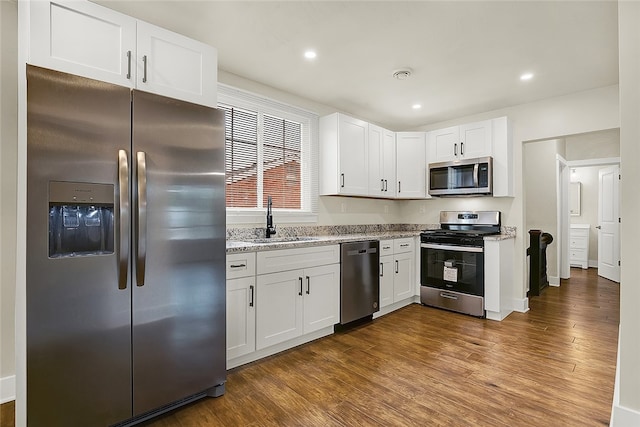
141, 219
476, 181
123, 235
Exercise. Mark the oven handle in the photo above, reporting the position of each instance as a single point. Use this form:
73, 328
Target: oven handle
451, 247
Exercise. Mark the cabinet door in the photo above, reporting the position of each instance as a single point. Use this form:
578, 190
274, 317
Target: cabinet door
241, 317
411, 165
353, 137
389, 163
387, 272
376, 161
403, 280
83, 38
172, 65
444, 144
382, 162
475, 140
279, 307
321, 297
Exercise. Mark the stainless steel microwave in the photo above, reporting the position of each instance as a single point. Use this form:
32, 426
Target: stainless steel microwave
466, 177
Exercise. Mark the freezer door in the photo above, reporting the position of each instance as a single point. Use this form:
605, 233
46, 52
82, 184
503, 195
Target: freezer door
78, 318
178, 251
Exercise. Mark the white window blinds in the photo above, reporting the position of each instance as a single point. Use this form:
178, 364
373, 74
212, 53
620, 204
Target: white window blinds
271, 150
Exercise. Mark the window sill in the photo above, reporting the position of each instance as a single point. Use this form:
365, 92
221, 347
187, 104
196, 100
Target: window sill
259, 217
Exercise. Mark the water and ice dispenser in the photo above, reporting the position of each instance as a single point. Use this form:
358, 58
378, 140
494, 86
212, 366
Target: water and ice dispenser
81, 220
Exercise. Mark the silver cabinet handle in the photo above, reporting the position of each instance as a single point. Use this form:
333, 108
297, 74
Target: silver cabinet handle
300, 293
385, 186
399, 188
462, 148
237, 265
141, 218
404, 245
251, 293
308, 285
397, 266
144, 64
382, 185
455, 149
128, 64
123, 236
342, 180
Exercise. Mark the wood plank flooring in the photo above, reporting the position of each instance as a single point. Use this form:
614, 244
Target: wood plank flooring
419, 366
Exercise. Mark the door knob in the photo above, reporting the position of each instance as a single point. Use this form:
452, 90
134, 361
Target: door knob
598, 227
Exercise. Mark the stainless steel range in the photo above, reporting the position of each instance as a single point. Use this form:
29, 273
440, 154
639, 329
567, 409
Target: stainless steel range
452, 261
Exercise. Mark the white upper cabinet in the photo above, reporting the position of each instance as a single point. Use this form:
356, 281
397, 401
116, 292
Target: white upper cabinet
172, 65
82, 38
443, 144
411, 165
475, 140
382, 162
344, 156
85, 39
461, 142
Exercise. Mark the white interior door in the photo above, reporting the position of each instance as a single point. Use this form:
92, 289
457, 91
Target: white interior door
608, 223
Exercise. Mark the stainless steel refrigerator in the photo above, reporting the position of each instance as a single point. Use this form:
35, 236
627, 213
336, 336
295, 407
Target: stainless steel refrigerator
125, 252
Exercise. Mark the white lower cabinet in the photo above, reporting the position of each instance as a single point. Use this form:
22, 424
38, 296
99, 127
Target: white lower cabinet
396, 270
302, 298
241, 308
241, 317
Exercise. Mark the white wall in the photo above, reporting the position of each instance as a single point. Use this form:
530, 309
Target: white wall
626, 410
8, 150
594, 145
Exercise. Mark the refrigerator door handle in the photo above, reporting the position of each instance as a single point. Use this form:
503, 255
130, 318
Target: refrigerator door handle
123, 237
141, 219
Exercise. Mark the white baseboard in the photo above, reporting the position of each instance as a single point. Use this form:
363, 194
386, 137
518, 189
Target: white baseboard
7, 389
521, 305
554, 281
593, 263
624, 417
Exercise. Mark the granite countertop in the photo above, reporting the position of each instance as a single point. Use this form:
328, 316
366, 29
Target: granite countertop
261, 244
251, 240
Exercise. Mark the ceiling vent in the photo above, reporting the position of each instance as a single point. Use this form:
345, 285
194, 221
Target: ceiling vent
402, 74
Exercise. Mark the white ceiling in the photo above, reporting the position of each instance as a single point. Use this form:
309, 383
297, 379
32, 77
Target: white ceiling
466, 56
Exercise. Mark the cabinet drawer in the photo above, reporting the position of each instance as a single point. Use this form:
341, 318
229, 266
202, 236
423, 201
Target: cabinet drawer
403, 245
291, 259
386, 247
577, 254
579, 232
578, 242
241, 265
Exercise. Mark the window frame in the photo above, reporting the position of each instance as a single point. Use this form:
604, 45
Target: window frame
237, 98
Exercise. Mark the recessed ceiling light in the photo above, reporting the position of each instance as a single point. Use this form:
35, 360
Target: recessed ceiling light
526, 76
310, 54
416, 106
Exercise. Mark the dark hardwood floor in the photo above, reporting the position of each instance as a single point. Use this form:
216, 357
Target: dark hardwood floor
419, 366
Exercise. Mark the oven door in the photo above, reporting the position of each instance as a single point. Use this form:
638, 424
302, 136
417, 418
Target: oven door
451, 267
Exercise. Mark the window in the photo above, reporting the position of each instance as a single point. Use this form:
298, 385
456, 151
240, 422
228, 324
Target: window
270, 150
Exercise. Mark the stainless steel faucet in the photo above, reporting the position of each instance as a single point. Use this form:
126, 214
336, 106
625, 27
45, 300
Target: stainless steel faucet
271, 229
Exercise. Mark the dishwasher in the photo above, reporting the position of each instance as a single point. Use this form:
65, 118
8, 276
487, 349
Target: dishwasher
359, 280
